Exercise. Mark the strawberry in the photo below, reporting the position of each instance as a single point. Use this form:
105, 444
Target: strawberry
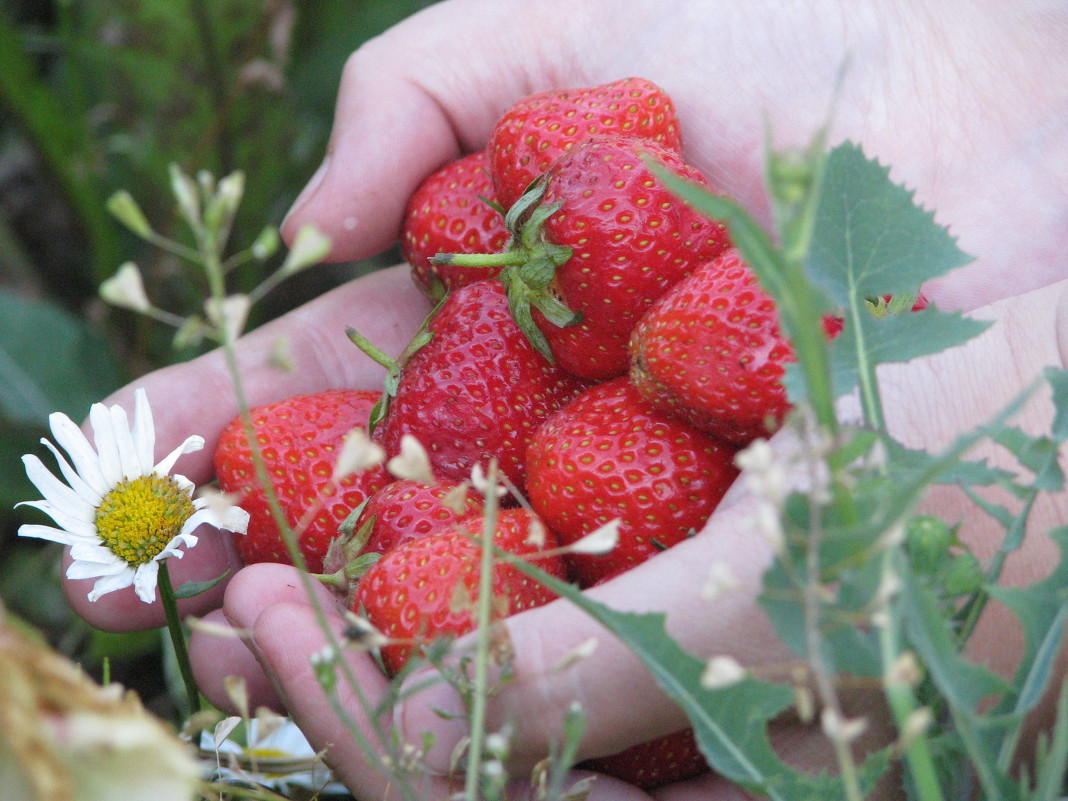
476, 390
710, 351
407, 510
299, 439
452, 212
672, 758
608, 455
542, 127
427, 587
594, 246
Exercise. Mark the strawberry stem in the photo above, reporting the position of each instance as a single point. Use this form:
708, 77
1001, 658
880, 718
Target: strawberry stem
508, 258
368, 347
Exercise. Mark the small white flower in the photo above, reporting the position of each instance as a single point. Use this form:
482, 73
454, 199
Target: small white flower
228, 315
842, 729
599, 541
480, 481
126, 289
120, 513
358, 452
721, 581
412, 463
310, 247
721, 671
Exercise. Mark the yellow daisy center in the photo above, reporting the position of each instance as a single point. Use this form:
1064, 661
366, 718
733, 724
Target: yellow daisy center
139, 517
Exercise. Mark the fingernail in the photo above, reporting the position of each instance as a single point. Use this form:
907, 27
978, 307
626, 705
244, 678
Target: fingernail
309, 190
432, 707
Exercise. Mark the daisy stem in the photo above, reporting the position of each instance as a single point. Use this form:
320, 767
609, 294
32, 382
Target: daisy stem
174, 626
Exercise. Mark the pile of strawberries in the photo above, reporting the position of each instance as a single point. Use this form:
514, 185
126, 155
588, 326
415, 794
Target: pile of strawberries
594, 336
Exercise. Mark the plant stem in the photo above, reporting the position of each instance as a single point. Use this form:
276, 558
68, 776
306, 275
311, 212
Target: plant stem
902, 703
174, 626
480, 690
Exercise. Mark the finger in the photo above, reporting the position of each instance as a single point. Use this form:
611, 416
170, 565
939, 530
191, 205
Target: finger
199, 397
286, 634
423, 93
219, 655
213, 556
540, 692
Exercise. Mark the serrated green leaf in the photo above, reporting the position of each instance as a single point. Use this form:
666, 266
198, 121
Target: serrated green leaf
894, 338
49, 361
1058, 381
963, 684
731, 722
1041, 609
845, 647
870, 238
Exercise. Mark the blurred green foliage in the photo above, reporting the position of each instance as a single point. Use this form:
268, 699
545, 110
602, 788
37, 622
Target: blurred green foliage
102, 95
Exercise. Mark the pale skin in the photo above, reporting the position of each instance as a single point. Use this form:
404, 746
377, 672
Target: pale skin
968, 103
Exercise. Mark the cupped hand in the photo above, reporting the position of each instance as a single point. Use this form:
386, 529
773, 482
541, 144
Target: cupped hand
963, 128
928, 401
966, 126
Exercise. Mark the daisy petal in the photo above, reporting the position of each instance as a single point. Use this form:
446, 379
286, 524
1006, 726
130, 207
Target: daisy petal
232, 518
193, 443
112, 583
80, 528
120, 428
144, 434
55, 491
95, 553
51, 534
83, 570
76, 482
70, 437
106, 447
144, 581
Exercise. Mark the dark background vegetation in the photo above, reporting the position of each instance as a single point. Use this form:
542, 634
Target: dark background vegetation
102, 95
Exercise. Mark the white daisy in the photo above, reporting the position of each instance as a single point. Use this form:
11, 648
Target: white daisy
120, 513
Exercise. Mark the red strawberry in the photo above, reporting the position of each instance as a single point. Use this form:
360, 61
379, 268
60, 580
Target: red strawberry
541, 127
427, 587
710, 352
299, 438
605, 242
607, 455
652, 764
477, 390
407, 510
448, 213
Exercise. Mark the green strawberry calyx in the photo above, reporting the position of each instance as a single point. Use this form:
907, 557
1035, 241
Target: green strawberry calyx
530, 261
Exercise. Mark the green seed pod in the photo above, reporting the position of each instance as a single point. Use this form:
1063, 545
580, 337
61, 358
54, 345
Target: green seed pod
963, 575
928, 539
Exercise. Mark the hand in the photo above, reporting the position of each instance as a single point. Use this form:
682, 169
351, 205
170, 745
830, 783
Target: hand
404, 108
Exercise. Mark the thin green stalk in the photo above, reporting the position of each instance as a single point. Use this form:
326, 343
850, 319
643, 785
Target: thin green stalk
871, 402
824, 681
903, 705
174, 627
484, 622
213, 267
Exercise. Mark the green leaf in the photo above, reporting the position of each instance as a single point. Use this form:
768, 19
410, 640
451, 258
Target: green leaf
1050, 778
1058, 381
191, 589
870, 238
50, 361
1042, 609
731, 722
895, 338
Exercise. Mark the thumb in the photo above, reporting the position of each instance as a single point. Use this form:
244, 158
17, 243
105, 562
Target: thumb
421, 94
